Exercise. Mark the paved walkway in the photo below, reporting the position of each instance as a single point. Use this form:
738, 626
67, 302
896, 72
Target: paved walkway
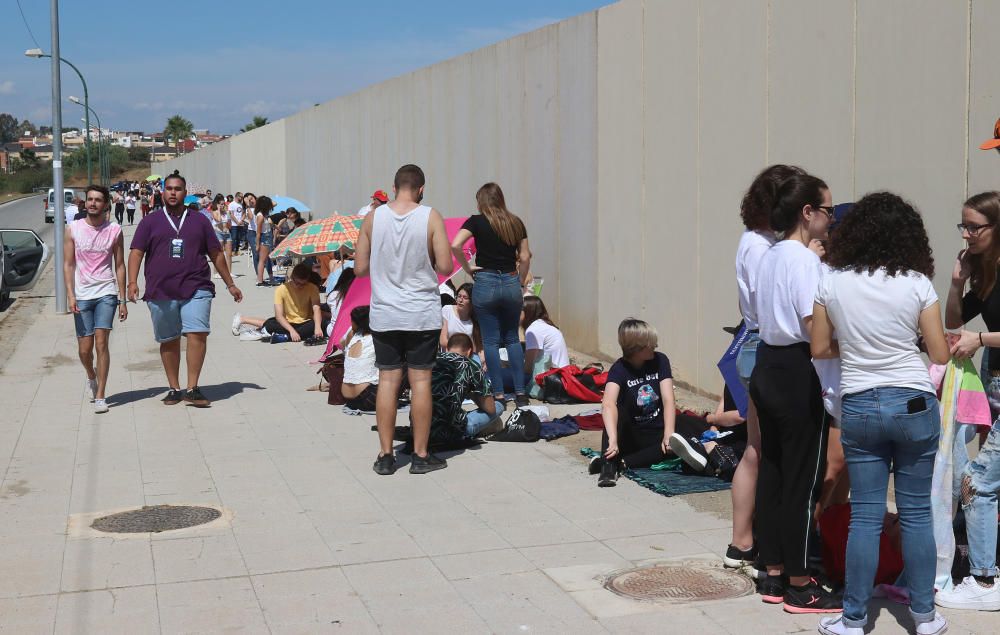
510, 538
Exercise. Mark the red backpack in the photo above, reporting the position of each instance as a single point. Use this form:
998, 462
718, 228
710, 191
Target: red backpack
576, 384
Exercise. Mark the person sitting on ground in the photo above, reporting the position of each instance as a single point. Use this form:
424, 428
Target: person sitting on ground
460, 318
455, 378
360, 384
638, 405
544, 344
718, 440
296, 311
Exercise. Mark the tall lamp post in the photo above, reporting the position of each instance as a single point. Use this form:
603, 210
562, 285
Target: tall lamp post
37, 53
102, 154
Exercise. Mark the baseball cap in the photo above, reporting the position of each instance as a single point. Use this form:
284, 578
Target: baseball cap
380, 196
995, 141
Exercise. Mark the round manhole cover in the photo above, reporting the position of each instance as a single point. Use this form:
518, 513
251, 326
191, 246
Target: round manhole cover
156, 518
680, 582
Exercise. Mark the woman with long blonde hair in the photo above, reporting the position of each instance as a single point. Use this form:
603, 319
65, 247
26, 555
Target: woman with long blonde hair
503, 259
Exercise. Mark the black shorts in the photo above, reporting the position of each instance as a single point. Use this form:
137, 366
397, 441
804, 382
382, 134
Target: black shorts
414, 349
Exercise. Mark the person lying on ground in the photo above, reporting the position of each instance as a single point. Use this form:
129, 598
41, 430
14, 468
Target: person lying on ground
455, 378
296, 311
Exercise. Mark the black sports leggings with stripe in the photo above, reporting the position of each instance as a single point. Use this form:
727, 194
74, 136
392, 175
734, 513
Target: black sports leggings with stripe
787, 393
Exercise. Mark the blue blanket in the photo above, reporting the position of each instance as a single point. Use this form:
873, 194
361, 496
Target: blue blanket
669, 482
563, 427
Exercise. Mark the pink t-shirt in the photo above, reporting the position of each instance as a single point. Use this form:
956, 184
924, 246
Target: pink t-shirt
95, 272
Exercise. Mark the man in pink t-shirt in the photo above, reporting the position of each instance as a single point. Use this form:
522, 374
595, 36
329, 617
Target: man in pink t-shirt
94, 289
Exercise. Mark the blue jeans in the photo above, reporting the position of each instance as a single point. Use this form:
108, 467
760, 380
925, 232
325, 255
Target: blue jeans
497, 301
98, 313
979, 483
746, 359
879, 435
173, 318
479, 419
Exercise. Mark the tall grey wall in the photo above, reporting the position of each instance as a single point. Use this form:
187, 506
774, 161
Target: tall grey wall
625, 138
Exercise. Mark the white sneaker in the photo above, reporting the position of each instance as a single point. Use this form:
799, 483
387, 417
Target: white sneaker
251, 336
836, 626
936, 626
92, 387
969, 595
237, 320
100, 405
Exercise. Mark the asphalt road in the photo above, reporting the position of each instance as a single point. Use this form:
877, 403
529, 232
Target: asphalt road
26, 213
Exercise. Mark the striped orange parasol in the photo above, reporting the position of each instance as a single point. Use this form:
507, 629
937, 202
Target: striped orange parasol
323, 236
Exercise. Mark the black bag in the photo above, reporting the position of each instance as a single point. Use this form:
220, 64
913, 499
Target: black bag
553, 390
522, 426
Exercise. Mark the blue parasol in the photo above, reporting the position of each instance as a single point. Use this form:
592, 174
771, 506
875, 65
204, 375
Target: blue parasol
730, 374
191, 198
281, 203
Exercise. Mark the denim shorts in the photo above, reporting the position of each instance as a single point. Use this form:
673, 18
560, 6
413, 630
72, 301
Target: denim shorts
223, 237
172, 318
98, 313
267, 240
747, 358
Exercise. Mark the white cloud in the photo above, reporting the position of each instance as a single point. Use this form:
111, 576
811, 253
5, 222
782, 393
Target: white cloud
7, 88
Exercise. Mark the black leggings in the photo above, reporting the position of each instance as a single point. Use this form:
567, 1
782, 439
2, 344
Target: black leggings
787, 393
305, 329
364, 402
642, 447
119, 213
131, 214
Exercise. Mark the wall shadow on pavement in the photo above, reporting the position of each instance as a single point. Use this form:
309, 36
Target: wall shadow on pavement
214, 392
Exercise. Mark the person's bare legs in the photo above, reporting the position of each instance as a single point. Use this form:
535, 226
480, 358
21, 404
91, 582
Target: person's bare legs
836, 484
85, 346
101, 337
744, 487
197, 344
421, 406
170, 355
265, 253
229, 255
252, 321
386, 405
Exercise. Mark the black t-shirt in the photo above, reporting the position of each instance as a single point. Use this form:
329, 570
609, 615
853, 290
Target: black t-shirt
491, 252
640, 397
990, 310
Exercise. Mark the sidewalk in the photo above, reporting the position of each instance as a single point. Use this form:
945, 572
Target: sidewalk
511, 538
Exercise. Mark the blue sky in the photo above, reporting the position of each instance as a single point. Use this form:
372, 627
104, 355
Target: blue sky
219, 62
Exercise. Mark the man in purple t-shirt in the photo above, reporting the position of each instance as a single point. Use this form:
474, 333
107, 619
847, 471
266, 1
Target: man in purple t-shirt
179, 287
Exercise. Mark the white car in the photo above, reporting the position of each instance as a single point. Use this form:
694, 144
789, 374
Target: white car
24, 258
50, 204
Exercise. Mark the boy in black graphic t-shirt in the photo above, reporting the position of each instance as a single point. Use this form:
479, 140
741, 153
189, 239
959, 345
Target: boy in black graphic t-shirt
638, 406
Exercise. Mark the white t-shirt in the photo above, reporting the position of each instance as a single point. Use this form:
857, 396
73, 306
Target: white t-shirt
787, 280
251, 219
236, 213
876, 319
361, 369
540, 335
364, 211
455, 323
753, 245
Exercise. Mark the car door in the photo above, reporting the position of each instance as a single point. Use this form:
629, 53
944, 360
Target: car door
24, 258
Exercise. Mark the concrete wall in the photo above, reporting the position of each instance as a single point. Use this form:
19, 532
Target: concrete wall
626, 137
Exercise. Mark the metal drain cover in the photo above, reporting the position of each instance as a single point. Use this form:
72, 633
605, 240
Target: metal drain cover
679, 582
155, 519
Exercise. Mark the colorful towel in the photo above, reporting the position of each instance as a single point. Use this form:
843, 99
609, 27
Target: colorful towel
972, 407
669, 481
942, 496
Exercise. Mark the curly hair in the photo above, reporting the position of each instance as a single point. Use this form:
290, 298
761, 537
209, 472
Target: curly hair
755, 210
882, 231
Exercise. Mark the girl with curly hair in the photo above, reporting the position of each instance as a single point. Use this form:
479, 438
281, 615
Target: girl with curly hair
755, 211
980, 478
881, 265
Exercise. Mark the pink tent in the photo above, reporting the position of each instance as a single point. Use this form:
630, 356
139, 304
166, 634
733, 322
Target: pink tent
360, 292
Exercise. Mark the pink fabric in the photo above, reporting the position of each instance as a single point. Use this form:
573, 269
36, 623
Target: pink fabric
972, 407
360, 292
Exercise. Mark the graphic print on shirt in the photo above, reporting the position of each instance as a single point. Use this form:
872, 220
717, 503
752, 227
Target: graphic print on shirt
647, 401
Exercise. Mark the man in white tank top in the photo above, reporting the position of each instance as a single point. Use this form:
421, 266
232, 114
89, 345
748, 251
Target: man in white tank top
403, 246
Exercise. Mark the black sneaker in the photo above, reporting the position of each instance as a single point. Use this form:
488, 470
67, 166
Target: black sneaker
691, 450
194, 397
595, 465
173, 397
772, 589
737, 558
424, 464
522, 401
609, 474
385, 465
811, 598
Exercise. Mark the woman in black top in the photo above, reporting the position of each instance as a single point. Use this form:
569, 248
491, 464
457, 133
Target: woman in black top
503, 260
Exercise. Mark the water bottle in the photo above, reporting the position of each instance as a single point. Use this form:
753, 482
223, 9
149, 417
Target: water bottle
280, 338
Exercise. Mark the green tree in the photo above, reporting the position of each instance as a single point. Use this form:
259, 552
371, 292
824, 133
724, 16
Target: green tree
178, 128
258, 122
29, 158
8, 128
26, 127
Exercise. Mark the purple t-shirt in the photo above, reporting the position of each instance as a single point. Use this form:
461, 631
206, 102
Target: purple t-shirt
175, 278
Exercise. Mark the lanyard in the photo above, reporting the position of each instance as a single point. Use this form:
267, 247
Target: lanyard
171, 221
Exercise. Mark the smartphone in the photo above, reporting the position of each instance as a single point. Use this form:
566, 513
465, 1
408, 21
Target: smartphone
915, 405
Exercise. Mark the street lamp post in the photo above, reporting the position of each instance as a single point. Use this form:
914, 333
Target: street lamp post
37, 53
101, 150
57, 173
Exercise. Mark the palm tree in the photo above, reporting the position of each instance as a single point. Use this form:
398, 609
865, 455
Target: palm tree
258, 122
178, 128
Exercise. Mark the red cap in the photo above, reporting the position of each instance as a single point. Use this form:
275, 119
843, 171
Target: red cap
995, 141
380, 196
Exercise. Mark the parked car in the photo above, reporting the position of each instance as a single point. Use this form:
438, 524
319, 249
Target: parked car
50, 203
24, 258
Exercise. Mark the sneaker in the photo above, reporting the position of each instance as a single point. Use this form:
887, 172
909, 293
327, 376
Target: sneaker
100, 406
424, 464
836, 626
251, 335
92, 387
595, 465
609, 474
970, 595
691, 450
237, 322
936, 626
811, 598
194, 397
385, 464
174, 397
737, 558
772, 589
522, 401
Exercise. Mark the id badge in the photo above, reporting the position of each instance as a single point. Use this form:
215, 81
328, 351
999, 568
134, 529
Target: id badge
177, 248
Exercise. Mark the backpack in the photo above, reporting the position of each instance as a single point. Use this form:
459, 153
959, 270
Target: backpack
522, 426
